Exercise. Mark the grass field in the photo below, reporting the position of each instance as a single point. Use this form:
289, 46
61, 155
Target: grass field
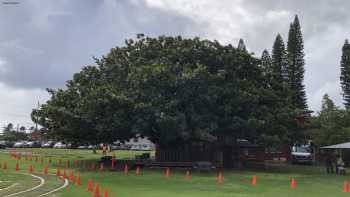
311, 180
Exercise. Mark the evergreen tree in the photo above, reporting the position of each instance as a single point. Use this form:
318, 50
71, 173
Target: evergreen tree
327, 104
279, 74
345, 73
241, 46
295, 50
266, 61
266, 64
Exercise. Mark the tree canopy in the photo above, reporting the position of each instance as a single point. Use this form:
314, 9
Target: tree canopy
170, 89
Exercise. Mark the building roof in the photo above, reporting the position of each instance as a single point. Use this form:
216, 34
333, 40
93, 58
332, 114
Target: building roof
338, 146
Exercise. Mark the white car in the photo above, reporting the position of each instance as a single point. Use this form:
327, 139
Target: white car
60, 145
19, 145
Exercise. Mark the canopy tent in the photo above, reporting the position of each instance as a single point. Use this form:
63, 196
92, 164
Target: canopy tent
338, 146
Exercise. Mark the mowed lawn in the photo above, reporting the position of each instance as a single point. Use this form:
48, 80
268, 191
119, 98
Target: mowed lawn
311, 180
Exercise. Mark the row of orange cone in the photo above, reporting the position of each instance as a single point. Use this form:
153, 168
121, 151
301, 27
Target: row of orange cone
71, 177
188, 176
77, 181
220, 180
96, 191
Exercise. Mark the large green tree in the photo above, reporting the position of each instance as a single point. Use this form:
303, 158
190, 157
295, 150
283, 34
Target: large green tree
296, 62
170, 89
345, 73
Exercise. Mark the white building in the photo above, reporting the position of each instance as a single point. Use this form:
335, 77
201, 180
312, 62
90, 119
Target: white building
139, 143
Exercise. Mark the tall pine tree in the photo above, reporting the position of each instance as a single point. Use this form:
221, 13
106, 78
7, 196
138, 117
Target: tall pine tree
266, 64
295, 51
241, 46
345, 73
279, 73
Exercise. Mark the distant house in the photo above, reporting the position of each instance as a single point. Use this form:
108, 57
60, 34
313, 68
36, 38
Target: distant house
139, 143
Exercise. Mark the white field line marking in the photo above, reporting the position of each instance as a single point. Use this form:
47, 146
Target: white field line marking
42, 181
55, 190
9, 186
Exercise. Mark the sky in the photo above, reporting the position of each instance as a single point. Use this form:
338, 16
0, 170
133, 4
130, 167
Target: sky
44, 42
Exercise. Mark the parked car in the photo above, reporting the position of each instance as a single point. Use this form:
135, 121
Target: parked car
2, 144
92, 147
82, 147
302, 154
60, 145
203, 166
8, 144
32, 145
19, 145
48, 144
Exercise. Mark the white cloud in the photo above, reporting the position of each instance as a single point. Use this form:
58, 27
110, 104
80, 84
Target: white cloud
332, 89
3, 69
16, 104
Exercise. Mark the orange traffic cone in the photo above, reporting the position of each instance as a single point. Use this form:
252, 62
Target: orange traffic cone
90, 186
105, 193
67, 163
46, 170
219, 179
78, 181
137, 172
188, 175
58, 172
167, 172
17, 167
97, 190
30, 168
254, 180
126, 168
346, 187
71, 176
293, 184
